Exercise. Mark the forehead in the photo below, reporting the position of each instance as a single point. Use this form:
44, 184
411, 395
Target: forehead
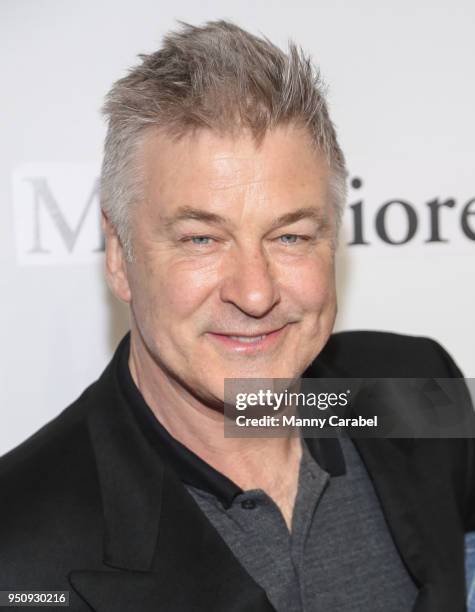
216, 172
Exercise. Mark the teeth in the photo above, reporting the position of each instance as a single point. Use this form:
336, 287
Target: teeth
247, 339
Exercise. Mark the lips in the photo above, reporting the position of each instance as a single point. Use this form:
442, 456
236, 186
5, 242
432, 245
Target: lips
248, 339
248, 343
257, 334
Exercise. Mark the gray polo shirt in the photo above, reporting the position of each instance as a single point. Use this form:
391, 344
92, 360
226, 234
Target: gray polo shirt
339, 555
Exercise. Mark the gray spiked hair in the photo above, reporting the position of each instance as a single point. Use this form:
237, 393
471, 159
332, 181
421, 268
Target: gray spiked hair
215, 76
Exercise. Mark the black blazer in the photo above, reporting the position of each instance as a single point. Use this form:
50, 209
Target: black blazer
88, 506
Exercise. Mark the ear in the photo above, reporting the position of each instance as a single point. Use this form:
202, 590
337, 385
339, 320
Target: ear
116, 268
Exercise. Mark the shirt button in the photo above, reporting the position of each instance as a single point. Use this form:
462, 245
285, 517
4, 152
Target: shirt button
248, 504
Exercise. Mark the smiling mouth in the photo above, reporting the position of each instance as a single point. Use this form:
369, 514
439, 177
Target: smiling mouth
247, 342
248, 339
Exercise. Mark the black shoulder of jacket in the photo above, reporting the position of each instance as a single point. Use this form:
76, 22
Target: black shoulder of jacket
386, 354
51, 511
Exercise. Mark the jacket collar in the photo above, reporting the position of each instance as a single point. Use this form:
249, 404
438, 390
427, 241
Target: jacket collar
131, 477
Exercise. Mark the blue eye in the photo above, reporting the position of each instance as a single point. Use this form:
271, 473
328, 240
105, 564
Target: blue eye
289, 238
200, 240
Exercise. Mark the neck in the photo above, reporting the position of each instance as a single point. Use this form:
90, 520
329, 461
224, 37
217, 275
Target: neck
270, 464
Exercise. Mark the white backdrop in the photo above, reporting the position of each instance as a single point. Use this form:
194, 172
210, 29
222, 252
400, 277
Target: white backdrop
401, 92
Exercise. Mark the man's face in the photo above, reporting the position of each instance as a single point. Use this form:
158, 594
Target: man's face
233, 274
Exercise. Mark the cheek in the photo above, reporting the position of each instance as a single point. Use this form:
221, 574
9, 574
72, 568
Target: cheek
311, 284
177, 294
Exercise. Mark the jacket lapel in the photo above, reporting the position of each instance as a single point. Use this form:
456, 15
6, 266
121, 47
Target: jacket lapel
388, 462
390, 467
159, 551
420, 515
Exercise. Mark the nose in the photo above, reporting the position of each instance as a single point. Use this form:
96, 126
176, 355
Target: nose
249, 283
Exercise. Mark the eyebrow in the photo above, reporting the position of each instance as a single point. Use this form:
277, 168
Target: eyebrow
185, 213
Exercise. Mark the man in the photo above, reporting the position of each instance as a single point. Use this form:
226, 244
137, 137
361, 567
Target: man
222, 190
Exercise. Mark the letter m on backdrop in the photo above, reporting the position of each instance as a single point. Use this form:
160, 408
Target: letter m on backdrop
56, 212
